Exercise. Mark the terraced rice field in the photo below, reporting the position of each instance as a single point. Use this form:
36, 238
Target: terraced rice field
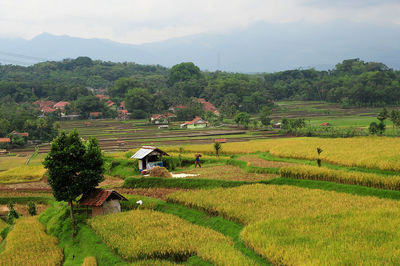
252, 203
228, 172
28, 243
298, 226
145, 234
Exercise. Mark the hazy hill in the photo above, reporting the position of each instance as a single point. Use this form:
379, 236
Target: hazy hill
259, 48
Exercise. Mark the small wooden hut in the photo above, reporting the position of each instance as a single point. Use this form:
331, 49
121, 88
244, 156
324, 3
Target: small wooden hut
102, 201
148, 157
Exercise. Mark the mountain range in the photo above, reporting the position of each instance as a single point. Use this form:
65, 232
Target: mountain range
261, 47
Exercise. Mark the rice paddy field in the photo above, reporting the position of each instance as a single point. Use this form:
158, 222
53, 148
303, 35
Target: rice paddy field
263, 201
28, 243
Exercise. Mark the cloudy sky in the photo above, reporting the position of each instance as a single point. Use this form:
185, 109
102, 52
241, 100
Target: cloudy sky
140, 21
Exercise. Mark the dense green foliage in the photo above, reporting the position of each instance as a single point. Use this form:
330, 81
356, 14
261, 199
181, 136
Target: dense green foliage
192, 183
74, 167
85, 243
153, 89
23, 117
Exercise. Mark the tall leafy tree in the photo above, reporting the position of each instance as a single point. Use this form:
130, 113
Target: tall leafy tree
184, 72
242, 119
75, 167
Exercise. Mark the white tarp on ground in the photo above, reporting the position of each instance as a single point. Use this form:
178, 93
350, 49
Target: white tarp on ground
182, 175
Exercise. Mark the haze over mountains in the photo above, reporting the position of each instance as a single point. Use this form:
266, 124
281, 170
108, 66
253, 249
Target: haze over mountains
261, 47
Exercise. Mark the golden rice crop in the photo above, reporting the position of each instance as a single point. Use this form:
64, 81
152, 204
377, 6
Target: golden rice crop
146, 234
370, 152
228, 172
154, 263
3, 225
8, 162
356, 238
251, 203
22, 174
89, 261
191, 156
341, 176
27, 243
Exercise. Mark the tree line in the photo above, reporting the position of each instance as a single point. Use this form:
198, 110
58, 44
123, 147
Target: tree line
149, 89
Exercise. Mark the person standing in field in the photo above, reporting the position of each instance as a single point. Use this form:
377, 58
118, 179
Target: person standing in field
197, 161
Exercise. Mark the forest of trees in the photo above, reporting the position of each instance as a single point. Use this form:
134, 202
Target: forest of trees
149, 89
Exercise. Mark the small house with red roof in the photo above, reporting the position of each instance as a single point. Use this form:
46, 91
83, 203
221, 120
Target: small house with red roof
95, 115
208, 107
161, 118
174, 109
123, 114
61, 105
122, 106
5, 140
102, 97
197, 122
22, 134
102, 201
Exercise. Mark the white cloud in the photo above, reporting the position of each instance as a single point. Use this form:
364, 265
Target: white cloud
138, 21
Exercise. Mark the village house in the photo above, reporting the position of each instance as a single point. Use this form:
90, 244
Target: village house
148, 157
111, 104
277, 125
175, 109
208, 107
122, 106
197, 122
61, 105
123, 114
102, 202
23, 134
95, 115
161, 118
102, 97
4, 141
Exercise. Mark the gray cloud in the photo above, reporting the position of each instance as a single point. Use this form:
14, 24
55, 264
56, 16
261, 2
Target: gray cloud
139, 21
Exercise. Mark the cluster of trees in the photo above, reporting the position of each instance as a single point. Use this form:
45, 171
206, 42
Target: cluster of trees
352, 82
24, 118
152, 89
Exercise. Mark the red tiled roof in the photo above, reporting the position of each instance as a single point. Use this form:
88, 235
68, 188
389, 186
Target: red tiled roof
61, 104
48, 110
157, 116
123, 111
122, 105
170, 115
194, 121
220, 140
102, 97
99, 196
325, 124
23, 134
207, 106
5, 140
95, 113
42, 104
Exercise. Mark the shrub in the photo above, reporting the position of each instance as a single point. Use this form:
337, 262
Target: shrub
170, 163
32, 208
13, 214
